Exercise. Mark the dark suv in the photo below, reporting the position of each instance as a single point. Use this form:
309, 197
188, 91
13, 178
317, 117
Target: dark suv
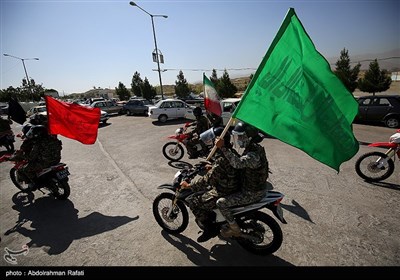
379, 108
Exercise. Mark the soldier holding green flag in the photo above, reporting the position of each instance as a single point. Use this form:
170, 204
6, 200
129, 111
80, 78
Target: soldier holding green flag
254, 169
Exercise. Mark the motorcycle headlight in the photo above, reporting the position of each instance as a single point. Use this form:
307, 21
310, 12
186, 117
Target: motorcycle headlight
177, 178
179, 131
395, 138
177, 174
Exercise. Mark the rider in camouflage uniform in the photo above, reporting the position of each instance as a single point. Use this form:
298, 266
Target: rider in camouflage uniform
215, 120
202, 124
45, 151
221, 179
254, 163
5, 126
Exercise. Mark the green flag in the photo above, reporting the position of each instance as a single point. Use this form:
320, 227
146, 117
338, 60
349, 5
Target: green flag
295, 97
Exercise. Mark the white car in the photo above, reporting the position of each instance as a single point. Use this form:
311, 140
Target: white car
168, 109
228, 105
35, 110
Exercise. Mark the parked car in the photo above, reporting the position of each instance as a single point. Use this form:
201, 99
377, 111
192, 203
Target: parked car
192, 101
121, 103
228, 105
107, 106
168, 109
379, 109
3, 108
104, 117
35, 109
137, 106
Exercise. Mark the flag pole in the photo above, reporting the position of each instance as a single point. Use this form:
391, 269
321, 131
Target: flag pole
214, 149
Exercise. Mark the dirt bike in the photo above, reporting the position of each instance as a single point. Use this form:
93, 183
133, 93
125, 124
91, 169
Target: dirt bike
261, 234
174, 151
7, 140
53, 178
378, 166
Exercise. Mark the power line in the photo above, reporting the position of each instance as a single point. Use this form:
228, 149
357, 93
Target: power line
365, 60
252, 68
204, 70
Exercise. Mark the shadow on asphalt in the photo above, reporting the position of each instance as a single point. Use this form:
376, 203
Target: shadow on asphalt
386, 185
229, 254
101, 125
298, 210
179, 164
55, 223
171, 122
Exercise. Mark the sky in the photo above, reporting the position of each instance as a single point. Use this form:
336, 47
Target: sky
83, 44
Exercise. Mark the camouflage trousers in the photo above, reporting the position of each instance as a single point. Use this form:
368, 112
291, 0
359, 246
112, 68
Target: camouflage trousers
236, 199
202, 206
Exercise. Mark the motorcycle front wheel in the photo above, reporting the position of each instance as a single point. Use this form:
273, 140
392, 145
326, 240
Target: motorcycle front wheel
266, 234
173, 151
18, 181
367, 166
177, 221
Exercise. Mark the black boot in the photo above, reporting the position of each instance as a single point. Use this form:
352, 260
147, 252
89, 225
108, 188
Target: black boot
210, 229
208, 233
193, 155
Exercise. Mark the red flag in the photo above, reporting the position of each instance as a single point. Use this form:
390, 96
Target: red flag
72, 120
211, 98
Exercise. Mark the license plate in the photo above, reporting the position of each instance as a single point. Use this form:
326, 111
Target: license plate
62, 174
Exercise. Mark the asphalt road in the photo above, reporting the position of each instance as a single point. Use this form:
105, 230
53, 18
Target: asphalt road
333, 219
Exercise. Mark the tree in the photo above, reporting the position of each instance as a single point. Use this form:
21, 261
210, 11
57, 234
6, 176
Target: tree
6, 94
225, 87
344, 72
182, 89
214, 78
122, 92
374, 79
149, 92
31, 91
137, 84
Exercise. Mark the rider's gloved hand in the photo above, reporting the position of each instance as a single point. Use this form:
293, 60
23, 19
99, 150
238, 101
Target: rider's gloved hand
219, 142
185, 185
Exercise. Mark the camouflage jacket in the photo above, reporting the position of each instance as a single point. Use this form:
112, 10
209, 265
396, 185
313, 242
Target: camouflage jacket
222, 177
46, 150
254, 163
202, 124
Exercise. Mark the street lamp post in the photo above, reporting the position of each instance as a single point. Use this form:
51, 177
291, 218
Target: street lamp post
26, 73
155, 43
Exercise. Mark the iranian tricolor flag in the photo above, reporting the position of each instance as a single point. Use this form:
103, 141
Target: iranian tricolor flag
211, 98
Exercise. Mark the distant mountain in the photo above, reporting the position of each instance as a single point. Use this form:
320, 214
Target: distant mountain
387, 60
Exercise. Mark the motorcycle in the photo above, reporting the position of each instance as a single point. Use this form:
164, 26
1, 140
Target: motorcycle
261, 234
53, 178
7, 140
378, 166
174, 150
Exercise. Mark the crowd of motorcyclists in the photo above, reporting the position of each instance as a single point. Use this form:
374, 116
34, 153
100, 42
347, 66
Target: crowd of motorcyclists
232, 179
39, 148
